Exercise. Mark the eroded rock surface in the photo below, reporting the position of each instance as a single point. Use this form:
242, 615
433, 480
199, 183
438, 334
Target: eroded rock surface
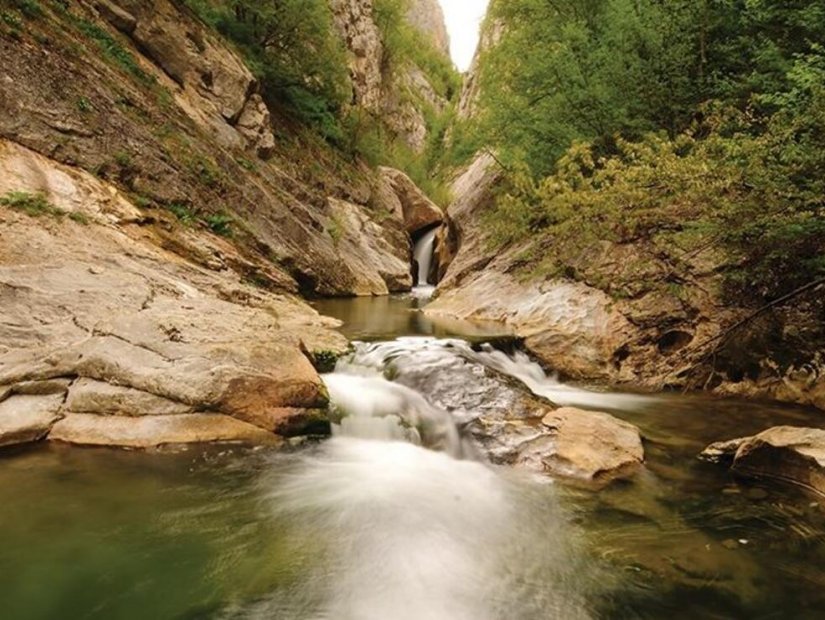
178, 124
101, 324
24, 419
418, 210
791, 454
589, 446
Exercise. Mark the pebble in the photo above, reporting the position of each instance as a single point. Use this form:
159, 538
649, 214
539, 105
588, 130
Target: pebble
730, 544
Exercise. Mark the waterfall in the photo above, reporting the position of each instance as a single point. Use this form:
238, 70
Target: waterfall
424, 249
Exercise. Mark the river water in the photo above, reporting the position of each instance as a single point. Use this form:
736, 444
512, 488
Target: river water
398, 517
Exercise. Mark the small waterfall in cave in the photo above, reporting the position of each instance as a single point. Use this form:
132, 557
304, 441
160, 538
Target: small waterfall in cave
423, 253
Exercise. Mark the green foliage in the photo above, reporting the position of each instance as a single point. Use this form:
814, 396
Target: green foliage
324, 360
567, 70
404, 45
288, 45
80, 218
184, 214
372, 140
84, 105
29, 8
123, 159
731, 185
34, 205
112, 49
220, 224
674, 125
335, 230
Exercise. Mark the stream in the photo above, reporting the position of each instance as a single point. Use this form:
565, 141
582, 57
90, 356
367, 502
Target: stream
399, 516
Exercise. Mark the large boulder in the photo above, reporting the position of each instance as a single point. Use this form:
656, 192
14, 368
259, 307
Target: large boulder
419, 211
584, 446
379, 266
787, 453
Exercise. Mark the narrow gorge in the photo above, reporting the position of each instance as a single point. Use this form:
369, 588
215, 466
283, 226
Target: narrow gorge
298, 321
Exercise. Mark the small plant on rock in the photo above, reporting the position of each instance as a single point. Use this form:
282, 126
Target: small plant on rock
220, 224
34, 205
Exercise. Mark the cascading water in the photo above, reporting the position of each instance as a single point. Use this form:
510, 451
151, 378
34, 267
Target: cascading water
423, 253
417, 527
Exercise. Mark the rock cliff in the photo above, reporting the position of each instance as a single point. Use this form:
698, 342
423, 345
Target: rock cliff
395, 90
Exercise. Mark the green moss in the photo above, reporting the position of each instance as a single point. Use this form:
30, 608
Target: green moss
324, 360
29, 8
84, 105
123, 159
80, 218
34, 205
335, 230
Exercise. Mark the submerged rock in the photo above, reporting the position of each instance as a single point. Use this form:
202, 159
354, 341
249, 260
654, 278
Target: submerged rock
791, 454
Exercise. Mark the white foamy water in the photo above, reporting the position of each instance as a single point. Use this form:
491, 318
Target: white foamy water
375, 408
424, 256
530, 373
421, 352
414, 534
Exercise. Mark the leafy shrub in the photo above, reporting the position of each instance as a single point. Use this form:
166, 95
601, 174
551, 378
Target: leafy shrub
184, 214
220, 224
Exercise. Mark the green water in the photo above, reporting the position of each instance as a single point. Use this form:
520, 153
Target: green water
95, 533
108, 534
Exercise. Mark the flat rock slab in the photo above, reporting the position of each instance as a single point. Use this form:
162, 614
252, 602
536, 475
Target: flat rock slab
583, 446
156, 431
27, 418
98, 397
788, 453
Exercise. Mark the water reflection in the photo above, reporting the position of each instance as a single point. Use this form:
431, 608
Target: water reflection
385, 318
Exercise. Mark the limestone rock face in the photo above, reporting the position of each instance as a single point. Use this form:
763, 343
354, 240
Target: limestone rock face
378, 266
387, 93
419, 211
255, 125
787, 453
428, 17
354, 21
211, 76
97, 307
101, 398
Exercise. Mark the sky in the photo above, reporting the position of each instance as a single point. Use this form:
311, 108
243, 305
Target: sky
463, 22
